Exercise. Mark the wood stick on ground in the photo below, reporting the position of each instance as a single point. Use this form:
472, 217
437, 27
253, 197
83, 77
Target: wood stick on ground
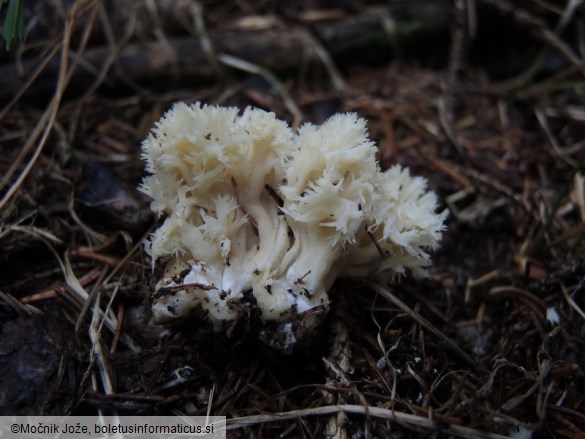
376, 412
274, 49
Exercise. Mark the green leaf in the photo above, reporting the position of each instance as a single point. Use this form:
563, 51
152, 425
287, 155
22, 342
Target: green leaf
14, 22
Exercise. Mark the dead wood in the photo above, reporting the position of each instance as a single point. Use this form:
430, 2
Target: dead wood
280, 47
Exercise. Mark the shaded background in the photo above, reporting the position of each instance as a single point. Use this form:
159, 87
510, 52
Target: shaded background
484, 98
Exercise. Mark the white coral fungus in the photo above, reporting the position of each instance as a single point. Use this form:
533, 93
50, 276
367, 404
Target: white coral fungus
260, 219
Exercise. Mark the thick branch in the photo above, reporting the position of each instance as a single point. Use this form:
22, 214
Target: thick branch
277, 49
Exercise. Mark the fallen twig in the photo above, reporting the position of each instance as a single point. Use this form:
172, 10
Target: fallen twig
431, 422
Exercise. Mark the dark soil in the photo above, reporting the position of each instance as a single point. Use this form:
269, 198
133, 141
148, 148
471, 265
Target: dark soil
490, 111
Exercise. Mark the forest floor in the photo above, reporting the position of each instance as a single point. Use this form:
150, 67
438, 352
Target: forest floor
483, 99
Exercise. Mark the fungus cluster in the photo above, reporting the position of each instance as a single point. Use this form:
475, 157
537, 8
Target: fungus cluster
261, 220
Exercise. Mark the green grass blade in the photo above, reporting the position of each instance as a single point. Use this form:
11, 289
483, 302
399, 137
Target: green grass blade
14, 22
